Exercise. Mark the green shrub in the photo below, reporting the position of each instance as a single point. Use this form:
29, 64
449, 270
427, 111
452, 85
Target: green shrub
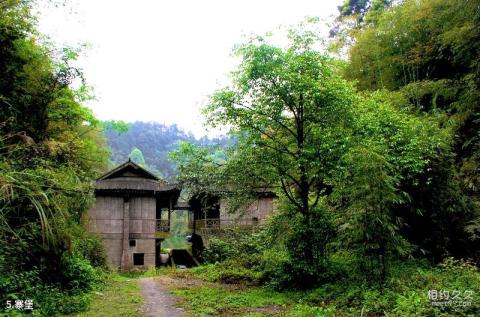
89, 247
18, 285
235, 243
78, 274
405, 293
300, 310
241, 275
228, 272
50, 301
47, 300
217, 251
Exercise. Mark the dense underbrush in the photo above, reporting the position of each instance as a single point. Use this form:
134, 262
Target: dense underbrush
56, 282
412, 287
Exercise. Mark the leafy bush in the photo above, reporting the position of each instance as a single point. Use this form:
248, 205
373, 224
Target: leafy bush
229, 272
235, 243
233, 275
47, 300
57, 285
405, 292
252, 257
218, 250
79, 275
89, 247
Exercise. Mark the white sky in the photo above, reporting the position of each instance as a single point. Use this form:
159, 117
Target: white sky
159, 60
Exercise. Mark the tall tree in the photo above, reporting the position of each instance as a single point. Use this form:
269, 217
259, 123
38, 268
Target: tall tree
297, 122
290, 111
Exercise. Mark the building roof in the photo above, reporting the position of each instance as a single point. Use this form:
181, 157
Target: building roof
130, 176
133, 183
129, 169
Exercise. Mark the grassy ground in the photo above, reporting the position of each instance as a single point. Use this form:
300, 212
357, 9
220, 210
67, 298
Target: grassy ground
404, 295
118, 297
200, 298
216, 299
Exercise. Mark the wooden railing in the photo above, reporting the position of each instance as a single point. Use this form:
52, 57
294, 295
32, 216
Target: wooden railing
216, 223
162, 225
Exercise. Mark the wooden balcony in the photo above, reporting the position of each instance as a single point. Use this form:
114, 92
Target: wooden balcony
162, 228
217, 223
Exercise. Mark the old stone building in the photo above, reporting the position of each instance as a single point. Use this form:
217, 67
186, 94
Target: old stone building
132, 215
133, 208
212, 212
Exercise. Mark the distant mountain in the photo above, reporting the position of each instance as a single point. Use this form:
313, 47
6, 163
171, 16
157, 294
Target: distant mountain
155, 141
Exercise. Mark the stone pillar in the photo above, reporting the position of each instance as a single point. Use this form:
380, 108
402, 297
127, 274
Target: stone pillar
125, 262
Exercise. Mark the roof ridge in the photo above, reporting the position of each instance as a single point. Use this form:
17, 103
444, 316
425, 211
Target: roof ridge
134, 165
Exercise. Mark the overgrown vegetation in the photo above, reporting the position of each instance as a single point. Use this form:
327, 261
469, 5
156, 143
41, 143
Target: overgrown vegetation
368, 157
403, 294
117, 295
374, 159
50, 150
178, 231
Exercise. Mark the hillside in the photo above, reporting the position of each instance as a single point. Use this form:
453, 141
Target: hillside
155, 141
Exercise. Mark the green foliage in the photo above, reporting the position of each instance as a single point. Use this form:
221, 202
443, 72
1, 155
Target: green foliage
240, 256
433, 40
229, 272
354, 171
290, 112
120, 127
302, 241
425, 54
48, 300
367, 224
78, 274
178, 231
404, 293
235, 243
50, 151
378, 175
215, 300
89, 247
428, 51
137, 156
360, 8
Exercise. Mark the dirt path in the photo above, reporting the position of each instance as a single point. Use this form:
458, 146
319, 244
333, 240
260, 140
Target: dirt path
158, 303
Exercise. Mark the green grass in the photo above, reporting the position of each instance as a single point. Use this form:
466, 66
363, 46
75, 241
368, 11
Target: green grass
217, 299
404, 294
207, 298
118, 297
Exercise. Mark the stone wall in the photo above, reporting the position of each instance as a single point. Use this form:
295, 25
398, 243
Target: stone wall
106, 219
260, 210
